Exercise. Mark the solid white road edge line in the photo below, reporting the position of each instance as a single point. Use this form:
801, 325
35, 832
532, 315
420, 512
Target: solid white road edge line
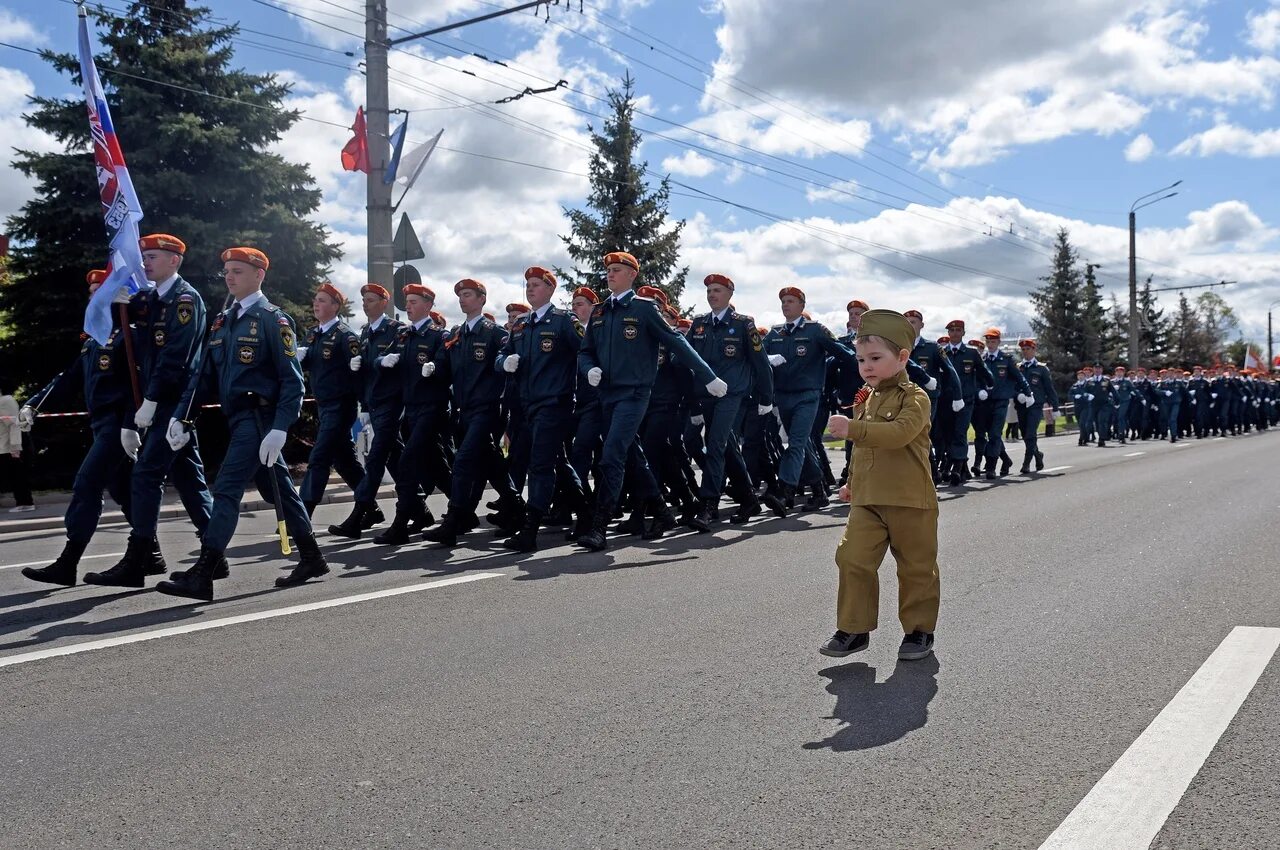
1134, 454
1054, 469
1131, 802
187, 628
48, 561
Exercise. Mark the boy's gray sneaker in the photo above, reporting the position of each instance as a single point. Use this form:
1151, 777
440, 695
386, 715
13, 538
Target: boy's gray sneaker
915, 646
841, 644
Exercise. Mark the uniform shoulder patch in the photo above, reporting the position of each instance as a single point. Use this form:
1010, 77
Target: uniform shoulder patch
577, 326
744, 317
597, 310
282, 319
826, 330
186, 298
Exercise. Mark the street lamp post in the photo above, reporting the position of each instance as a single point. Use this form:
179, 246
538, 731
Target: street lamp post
1134, 348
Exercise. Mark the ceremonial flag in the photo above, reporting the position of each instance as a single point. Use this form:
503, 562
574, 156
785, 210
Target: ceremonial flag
412, 163
120, 208
1251, 360
397, 147
355, 153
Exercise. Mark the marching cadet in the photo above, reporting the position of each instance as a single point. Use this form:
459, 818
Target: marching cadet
417, 361
975, 383
515, 310
1102, 404
943, 387
383, 402
541, 356
584, 450
1123, 390
102, 373
729, 343
891, 497
171, 322
797, 350
1081, 399
1198, 396
472, 351
252, 364
620, 356
326, 358
662, 431
1170, 403
1040, 382
1008, 384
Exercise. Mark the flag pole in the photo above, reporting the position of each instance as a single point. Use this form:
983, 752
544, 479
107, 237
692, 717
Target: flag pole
123, 310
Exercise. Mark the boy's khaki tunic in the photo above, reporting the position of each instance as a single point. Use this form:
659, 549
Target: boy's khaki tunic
892, 506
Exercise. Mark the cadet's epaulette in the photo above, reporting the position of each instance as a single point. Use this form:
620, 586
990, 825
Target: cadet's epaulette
597, 310
744, 317
779, 328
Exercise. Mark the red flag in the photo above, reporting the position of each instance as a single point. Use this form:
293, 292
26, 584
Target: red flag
355, 153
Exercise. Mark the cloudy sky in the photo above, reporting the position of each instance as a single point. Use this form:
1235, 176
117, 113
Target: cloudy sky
916, 154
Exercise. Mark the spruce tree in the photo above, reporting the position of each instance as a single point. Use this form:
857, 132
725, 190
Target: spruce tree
1155, 332
1058, 324
196, 134
622, 213
1093, 318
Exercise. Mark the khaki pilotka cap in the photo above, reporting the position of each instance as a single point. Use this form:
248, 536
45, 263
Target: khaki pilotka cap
889, 325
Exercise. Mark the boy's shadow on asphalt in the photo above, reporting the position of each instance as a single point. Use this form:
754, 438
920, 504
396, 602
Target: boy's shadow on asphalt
877, 713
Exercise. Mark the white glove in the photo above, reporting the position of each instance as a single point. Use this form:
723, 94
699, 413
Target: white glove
302, 352
1213, 395
1168, 392
365, 420
122, 296
762, 409
387, 361
511, 363
931, 384
718, 388
982, 395
957, 405
177, 436
355, 363
269, 451
131, 441
697, 420
1023, 399
26, 418
146, 413
429, 369
594, 374
776, 360
1193, 401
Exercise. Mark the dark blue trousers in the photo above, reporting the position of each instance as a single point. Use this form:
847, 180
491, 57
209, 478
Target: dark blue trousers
155, 459
105, 467
239, 467
333, 449
384, 449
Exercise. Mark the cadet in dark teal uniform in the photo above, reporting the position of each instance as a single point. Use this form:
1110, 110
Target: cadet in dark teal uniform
620, 356
102, 373
1040, 381
1198, 395
170, 319
975, 382
1082, 400
541, 356
252, 365
326, 359
730, 344
584, 448
1124, 392
1008, 385
943, 387
1102, 402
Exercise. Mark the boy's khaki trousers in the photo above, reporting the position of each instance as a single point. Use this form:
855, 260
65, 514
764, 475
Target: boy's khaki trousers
912, 535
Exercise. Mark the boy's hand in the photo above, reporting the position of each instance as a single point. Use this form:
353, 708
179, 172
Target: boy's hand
838, 426
844, 493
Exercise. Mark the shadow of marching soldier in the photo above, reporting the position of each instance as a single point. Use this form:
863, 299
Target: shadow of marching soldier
877, 713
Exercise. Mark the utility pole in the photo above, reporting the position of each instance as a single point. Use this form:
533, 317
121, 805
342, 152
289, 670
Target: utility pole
1271, 353
378, 124
1135, 345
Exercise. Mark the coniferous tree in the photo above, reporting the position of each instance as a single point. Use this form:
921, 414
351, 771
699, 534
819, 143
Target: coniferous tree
622, 213
1154, 331
1093, 318
196, 134
1057, 325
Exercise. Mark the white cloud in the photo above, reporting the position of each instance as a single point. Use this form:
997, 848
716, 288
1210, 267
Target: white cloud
1264, 30
15, 188
1231, 139
1140, 148
690, 163
19, 30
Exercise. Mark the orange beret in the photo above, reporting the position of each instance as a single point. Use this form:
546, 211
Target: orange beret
252, 256
95, 276
490, 317
806, 315
468, 283
333, 292
518, 307
915, 313
1030, 343
377, 289
955, 324
419, 289
587, 293
437, 319
944, 340
621, 257
791, 290
992, 333
762, 331
722, 279
976, 343
856, 303
685, 323
162, 242
539, 273
653, 293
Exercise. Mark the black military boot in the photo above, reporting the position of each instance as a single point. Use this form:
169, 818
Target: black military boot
1039, 461
634, 524
197, 582
396, 534
353, 526
662, 521
131, 570
63, 569
1006, 464
699, 516
977, 466
749, 508
372, 516
510, 516
446, 533
818, 498
594, 539
1025, 469
991, 469
419, 520
526, 539
220, 570
311, 564
777, 499
581, 524
156, 566
955, 475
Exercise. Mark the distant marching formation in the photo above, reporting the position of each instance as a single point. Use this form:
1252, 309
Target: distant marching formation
607, 407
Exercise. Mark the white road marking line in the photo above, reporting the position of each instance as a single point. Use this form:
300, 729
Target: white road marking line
1134, 454
1055, 469
1131, 802
48, 561
1183, 445
187, 628
1215, 439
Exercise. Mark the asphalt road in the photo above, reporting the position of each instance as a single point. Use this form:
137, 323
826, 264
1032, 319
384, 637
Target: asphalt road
660, 695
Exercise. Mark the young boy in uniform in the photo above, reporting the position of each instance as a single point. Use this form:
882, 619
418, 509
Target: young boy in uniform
891, 496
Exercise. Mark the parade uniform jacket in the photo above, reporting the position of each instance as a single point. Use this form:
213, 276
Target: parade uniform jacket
734, 352
170, 331
472, 356
380, 386
328, 362
548, 350
1100, 392
1040, 382
806, 349
849, 379
929, 355
971, 370
418, 347
251, 363
622, 341
673, 387
1079, 396
1124, 390
1198, 391
890, 434
1007, 378
100, 371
